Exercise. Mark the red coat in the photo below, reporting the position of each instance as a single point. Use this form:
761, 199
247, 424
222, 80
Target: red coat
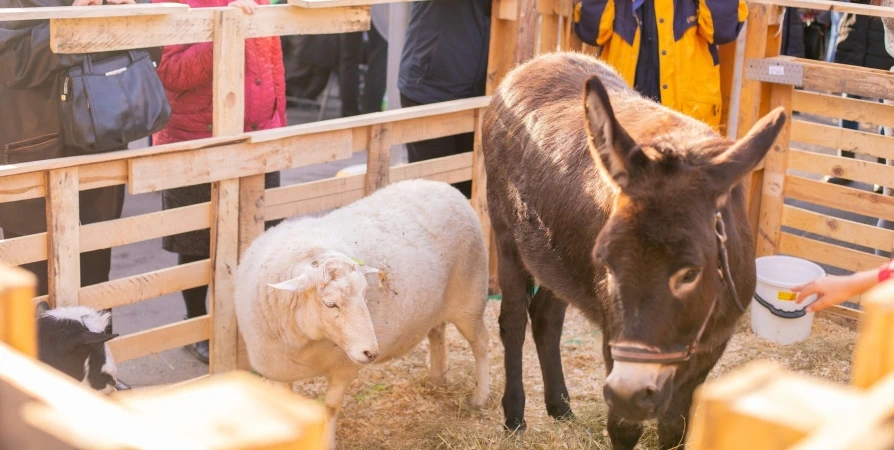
186, 72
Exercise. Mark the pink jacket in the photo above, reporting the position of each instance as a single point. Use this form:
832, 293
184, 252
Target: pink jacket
186, 72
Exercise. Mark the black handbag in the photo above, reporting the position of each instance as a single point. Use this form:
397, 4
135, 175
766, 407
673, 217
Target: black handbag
107, 104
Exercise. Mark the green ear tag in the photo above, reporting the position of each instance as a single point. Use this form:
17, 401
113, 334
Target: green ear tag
358, 261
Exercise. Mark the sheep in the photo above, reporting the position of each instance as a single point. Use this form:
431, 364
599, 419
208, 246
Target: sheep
306, 308
73, 340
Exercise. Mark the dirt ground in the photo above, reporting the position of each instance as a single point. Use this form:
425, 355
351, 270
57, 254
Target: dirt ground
392, 407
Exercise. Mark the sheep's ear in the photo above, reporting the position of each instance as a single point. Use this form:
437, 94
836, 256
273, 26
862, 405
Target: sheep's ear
91, 338
297, 284
42, 308
367, 270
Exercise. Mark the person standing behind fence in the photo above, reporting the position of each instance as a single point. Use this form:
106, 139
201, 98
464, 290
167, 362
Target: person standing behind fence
187, 74
665, 49
444, 58
31, 78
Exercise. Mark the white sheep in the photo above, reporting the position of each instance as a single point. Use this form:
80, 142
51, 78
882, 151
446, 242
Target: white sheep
323, 296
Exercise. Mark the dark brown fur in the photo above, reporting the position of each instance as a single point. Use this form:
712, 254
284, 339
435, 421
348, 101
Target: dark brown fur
549, 201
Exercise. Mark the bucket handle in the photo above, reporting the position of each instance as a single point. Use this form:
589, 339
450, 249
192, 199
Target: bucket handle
778, 312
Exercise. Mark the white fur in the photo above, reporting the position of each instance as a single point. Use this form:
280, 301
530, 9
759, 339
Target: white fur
92, 319
96, 322
424, 239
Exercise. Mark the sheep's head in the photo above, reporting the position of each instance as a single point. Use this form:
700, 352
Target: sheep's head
331, 303
73, 340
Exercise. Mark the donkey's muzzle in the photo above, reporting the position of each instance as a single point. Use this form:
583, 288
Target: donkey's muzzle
638, 391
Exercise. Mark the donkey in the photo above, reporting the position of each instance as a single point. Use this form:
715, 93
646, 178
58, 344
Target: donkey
631, 212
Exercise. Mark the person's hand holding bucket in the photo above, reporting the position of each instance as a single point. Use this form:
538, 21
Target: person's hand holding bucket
833, 290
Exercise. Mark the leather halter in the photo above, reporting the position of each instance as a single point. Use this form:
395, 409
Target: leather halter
644, 354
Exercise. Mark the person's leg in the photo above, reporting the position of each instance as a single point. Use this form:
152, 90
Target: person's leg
349, 72
195, 307
376, 74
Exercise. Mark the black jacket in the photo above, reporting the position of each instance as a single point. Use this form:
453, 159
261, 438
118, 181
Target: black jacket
445, 54
861, 42
30, 85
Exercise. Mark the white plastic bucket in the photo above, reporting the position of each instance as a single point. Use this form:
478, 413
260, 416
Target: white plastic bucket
356, 169
774, 314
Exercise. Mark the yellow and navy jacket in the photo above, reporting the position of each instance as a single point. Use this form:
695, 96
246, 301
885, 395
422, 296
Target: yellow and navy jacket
689, 32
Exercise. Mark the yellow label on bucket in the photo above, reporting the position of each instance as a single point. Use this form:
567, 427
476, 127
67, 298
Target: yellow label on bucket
786, 296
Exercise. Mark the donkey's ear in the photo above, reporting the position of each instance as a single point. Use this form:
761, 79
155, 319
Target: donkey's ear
611, 147
730, 166
42, 308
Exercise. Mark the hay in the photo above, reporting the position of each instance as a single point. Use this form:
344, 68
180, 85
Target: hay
391, 406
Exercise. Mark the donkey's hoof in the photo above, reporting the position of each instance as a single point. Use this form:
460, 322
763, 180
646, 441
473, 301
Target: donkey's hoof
515, 425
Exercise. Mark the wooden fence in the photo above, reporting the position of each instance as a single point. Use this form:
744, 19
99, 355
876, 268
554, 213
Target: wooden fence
794, 211
42, 409
233, 161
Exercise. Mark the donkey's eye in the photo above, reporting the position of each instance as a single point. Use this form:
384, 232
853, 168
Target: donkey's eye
684, 281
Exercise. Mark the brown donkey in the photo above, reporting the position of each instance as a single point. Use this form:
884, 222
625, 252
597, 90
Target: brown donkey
629, 211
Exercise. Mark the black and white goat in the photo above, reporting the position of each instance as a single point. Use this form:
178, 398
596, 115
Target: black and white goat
74, 341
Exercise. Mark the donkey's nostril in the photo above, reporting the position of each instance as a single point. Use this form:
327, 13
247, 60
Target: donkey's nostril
645, 399
372, 356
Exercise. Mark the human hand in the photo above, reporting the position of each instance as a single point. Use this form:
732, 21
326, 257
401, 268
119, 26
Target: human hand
247, 6
830, 290
99, 2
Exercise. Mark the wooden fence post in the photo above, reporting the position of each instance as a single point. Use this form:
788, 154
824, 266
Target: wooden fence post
378, 158
17, 316
63, 237
229, 119
479, 202
775, 167
874, 354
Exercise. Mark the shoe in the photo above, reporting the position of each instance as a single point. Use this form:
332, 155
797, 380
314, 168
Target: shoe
838, 181
121, 386
199, 350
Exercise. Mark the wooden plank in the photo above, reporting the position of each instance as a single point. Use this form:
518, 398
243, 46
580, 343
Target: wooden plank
17, 324
764, 406
286, 20
874, 353
774, 178
7, 172
830, 254
159, 339
836, 106
224, 258
849, 79
365, 120
424, 128
63, 240
155, 173
229, 73
77, 409
104, 11
503, 42
112, 233
479, 199
840, 197
526, 31
549, 33
88, 35
508, 10
129, 290
835, 137
338, 3
323, 195
23, 250
22, 186
378, 159
251, 210
825, 5
836, 228
847, 168
278, 420
850, 430
755, 47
